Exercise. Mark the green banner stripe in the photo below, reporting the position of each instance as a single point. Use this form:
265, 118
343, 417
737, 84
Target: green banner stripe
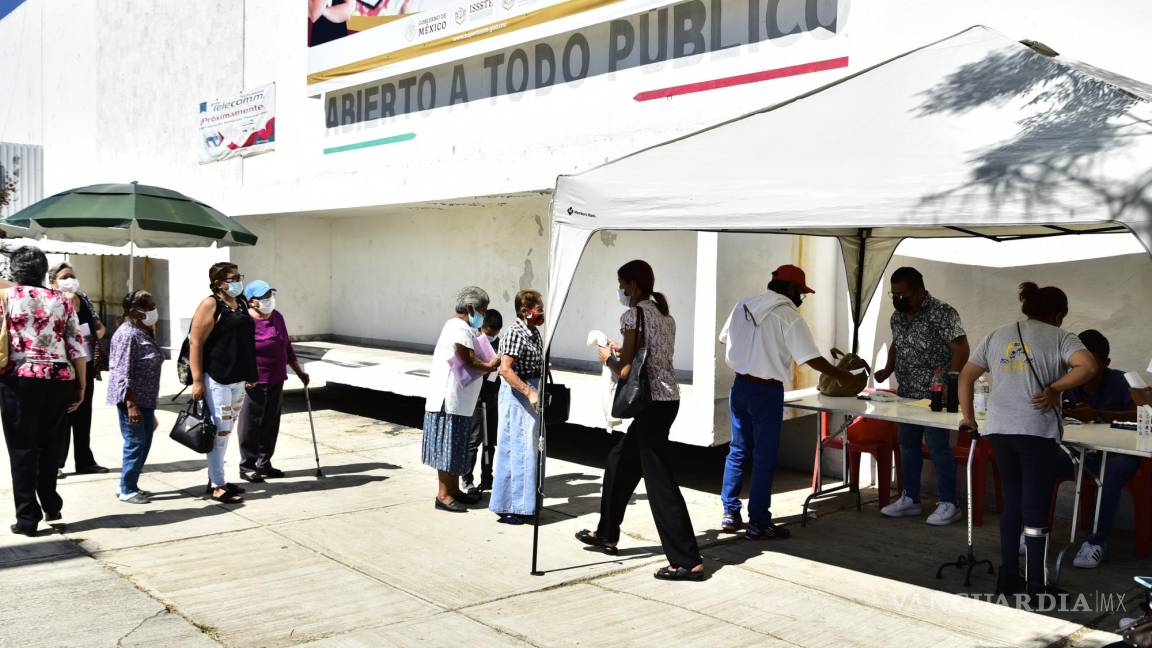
376, 142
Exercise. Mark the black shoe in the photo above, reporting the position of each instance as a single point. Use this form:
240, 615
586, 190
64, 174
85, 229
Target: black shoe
452, 507
91, 470
251, 476
31, 532
510, 518
269, 471
52, 517
469, 498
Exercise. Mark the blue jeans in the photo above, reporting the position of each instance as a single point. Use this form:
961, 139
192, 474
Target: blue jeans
912, 463
757, 412
137, 443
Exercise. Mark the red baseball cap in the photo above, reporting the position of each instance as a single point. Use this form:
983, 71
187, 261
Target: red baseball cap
794, 275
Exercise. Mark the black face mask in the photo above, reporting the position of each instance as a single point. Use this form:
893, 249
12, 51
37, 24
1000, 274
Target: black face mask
901, 304
797, 299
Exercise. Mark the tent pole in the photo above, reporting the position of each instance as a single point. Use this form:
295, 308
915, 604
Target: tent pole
541, 460
857, 316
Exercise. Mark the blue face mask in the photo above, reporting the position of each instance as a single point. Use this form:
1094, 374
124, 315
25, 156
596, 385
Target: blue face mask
235, 288
475, 320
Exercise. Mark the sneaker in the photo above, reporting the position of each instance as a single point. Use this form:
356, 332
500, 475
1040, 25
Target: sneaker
135, 498
1089, 556
769, 532
731, 522
946, 513
469, 489
903, 507
269, 471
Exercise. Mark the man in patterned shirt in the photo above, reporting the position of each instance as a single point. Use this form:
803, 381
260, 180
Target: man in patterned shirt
926, 337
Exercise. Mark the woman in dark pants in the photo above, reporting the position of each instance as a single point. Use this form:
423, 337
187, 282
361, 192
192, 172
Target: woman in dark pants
43, 380
260, 414
76, 428
1031, 363
643, 452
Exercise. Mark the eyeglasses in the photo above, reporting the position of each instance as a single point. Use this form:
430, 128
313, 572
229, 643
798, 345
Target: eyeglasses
238, 277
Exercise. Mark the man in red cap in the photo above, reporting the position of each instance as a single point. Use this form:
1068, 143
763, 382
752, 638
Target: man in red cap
764, 334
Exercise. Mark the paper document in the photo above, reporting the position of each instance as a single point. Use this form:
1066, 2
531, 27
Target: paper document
467, 374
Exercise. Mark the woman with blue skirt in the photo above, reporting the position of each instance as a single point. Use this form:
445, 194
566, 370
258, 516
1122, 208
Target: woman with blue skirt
449, 404
521, 366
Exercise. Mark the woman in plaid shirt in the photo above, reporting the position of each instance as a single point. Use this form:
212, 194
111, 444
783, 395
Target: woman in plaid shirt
521, 367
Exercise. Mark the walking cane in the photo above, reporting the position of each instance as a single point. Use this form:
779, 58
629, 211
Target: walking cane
311, 424
969, 560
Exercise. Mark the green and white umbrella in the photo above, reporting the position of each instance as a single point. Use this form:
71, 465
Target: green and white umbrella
134, 214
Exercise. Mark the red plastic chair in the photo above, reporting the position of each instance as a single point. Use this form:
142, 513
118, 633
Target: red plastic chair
1140, 486
877, 438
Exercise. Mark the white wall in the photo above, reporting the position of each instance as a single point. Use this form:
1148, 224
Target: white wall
1110, 295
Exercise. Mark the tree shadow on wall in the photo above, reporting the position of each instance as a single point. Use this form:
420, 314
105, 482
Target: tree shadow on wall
1074, 120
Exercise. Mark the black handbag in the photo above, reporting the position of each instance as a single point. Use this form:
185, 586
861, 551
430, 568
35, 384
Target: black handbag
559, 401
634, 394
193, 429
1139, 634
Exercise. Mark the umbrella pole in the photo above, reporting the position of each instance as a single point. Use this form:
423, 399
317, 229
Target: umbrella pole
131, 257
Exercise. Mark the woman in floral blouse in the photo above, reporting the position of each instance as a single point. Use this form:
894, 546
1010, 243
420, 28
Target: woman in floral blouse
43, 380
133, 386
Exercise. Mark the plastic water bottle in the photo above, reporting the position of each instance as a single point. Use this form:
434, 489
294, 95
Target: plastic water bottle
980, 397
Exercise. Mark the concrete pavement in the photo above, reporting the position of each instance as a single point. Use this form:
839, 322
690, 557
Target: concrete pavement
360, 558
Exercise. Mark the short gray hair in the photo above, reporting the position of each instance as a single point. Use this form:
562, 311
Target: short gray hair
471, 296
56, 269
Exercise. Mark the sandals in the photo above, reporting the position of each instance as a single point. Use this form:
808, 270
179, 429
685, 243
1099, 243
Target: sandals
591, 539
227, 497
678, 574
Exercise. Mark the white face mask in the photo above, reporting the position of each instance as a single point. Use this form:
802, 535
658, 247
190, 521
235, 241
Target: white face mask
625, 300
69, 285
491, 338
151, 317
267, 305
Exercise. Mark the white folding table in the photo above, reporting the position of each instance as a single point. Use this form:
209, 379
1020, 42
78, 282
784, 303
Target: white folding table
902, 410
1105, 439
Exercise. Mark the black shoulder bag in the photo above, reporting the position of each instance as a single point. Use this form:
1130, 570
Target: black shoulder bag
194, 429
1032, 368
634, 394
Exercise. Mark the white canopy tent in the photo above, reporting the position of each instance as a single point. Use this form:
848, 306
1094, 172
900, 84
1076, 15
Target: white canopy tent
976, 135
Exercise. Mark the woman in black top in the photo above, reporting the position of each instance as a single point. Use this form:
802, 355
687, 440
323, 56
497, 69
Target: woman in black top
222, 356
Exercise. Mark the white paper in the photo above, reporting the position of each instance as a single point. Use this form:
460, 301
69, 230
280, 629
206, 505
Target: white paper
1135, 381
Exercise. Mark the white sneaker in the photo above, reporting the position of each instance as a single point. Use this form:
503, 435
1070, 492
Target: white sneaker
1089, 556
903, 507
946, 513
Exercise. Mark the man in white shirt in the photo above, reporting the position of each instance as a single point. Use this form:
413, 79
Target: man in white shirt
764, 334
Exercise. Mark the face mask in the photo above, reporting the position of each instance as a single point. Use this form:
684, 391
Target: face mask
151, 317
475, 320
625, 300
798, 299
235, 288
901, 304
535, 318
267, 305
69, 285
491, 338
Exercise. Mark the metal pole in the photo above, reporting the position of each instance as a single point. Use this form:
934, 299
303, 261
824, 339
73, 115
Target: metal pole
857, 315
131, 257
541, 458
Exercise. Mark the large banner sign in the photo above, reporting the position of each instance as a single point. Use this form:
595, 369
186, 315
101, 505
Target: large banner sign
668, 33
350, 36
239, 126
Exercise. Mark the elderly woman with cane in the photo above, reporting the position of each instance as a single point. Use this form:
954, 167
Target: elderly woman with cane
450, 403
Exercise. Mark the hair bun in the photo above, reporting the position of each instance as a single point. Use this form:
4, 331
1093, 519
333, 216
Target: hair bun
1028, 290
